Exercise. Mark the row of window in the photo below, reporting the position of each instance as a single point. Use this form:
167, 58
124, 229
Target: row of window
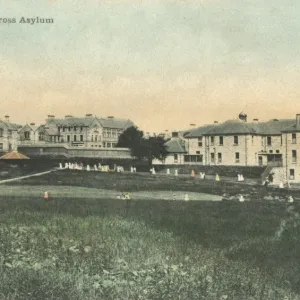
236, 140
199, 158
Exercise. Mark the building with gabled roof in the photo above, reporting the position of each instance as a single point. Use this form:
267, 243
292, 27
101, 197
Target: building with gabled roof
8, 135
89, 131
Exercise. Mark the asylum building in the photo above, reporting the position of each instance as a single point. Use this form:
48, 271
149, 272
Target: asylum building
89, 131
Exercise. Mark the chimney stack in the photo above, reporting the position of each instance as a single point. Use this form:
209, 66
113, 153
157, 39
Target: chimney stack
88, 115
175, 134
32, 124
50, 117
68, 117
216, 122
7, 118
255, 120
110, 117
298, 120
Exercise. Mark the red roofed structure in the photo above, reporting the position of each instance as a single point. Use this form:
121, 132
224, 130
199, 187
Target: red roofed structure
14, 155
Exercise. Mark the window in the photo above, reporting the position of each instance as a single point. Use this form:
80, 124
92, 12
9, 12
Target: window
108, 145
175, 157
262, 140
281, 140
271, 151
96, 137
81, 138
193, 158
294, 156
81, 128
294, 140
9, 133
237, 157
292, 174
68, 138
212, 157
221, 140
92, 138
252, 139
69, 128
108, 133
235, 140
197, 152
200, 141
277, 151
1, 146
219, 157
64, 129
75, 137
27, 135
41, 136
1, 132
269, 141
75, 128
212, 140
104, 145
114, 144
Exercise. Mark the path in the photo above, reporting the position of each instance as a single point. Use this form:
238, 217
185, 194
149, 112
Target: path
27, 176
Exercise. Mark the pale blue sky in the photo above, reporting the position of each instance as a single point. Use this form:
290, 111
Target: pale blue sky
162, 64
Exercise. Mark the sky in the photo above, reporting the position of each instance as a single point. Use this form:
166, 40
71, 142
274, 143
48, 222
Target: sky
162, 64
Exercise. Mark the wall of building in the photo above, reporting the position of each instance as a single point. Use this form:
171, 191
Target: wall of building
291, 164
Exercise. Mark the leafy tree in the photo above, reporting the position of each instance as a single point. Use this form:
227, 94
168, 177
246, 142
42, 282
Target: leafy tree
141, 147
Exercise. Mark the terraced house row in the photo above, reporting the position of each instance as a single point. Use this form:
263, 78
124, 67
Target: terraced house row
274, 144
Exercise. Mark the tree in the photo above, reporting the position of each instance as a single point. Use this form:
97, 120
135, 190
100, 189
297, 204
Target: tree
141, 147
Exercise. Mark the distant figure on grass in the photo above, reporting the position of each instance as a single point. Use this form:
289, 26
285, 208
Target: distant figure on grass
174, 197
217, 177
193, 175
281, 185
271, 177
186, 197
168, 171
131, 169
266, 182
153, 171
241, 198
202, 175
290, 199
240, 177
134, 169
176, 172
46, 196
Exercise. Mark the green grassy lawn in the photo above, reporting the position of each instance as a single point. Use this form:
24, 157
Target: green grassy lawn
76, 248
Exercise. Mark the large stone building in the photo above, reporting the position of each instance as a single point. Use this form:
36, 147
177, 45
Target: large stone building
8, 135
234, 143
89, 131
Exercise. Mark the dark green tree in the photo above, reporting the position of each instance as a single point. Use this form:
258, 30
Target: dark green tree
143, 147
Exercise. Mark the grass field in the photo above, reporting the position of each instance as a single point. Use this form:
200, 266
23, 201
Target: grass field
95, 248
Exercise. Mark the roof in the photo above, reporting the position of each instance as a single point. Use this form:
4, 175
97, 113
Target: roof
175, 146
11, 126
231, 127
29, 126
14, 155
197, 132
88, 121
115, 123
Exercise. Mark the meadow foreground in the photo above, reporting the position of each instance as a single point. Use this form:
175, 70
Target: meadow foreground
76, 248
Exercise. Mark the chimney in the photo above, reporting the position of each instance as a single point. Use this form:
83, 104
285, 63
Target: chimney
6, 118
88, 115
175, 134
50, 117
32, 124
110, 117
216, 122
297, 120
255, 120
68, 117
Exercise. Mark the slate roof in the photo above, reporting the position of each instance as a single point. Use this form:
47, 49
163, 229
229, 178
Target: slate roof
197, 132
115, 123
231, 127
175, 146
10, 126
87, 121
